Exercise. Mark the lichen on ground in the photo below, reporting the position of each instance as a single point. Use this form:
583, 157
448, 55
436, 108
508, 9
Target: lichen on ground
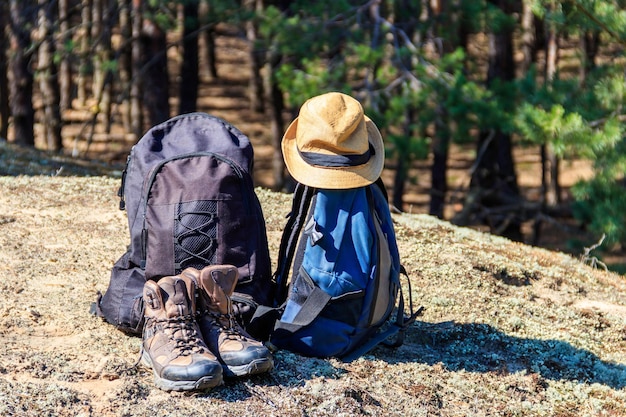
507, 330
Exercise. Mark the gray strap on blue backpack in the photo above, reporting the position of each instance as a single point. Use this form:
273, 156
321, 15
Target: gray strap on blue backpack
309, 310
265, 317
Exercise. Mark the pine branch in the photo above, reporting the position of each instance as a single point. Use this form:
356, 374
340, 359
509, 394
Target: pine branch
596, 123
598, 22
405, 41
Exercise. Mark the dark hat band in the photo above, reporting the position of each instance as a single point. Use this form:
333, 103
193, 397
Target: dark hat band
337, 161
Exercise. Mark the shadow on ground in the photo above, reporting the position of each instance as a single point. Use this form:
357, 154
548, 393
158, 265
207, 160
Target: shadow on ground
21, 160
477, 347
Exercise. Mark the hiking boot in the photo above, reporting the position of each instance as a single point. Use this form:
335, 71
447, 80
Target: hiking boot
238, 352
172, 342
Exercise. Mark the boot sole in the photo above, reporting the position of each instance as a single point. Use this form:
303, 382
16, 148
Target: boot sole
204, 383
257, 366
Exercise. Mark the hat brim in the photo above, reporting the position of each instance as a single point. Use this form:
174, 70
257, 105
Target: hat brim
330, 177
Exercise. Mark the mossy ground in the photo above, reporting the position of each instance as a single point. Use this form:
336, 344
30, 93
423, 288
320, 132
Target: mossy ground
508, 329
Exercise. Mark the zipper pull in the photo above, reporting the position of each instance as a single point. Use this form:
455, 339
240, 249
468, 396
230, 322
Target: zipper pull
120, 194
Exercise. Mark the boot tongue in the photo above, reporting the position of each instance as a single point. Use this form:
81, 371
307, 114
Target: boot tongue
218, 286
176, 301
227, 281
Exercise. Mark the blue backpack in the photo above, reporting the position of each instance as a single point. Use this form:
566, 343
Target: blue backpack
345, 281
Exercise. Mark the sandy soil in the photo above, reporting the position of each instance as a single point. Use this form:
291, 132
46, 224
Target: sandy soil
508, 330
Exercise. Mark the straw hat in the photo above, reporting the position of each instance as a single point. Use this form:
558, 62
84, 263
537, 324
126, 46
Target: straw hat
333, 145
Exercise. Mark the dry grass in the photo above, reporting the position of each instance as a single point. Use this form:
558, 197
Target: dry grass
508, 330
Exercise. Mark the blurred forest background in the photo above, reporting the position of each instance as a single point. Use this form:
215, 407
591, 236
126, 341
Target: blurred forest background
497, 114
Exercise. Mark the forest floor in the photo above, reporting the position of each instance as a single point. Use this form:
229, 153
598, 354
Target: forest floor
508, 329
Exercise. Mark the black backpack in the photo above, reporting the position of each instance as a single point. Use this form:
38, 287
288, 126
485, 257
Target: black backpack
190, 201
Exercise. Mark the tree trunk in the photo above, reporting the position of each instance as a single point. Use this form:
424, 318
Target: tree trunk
106, 99
449, 26
211, 60
96, 36
404, 14
276, 106
494, 182
124, 63
101, 35
256, 58
399, 184
553, 192
535, 236
48, 78
4, 81
528, 44
65, 65
589, 45
154, 73
21, 77
208, 40
84, 67
189, 67
439, 185
136, 87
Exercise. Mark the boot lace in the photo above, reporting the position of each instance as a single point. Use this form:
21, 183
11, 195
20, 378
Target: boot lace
183, 332
187, 343
227, 324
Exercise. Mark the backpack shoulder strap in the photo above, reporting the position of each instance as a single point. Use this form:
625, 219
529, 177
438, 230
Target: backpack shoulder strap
381, 185
266, 316
301, 203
